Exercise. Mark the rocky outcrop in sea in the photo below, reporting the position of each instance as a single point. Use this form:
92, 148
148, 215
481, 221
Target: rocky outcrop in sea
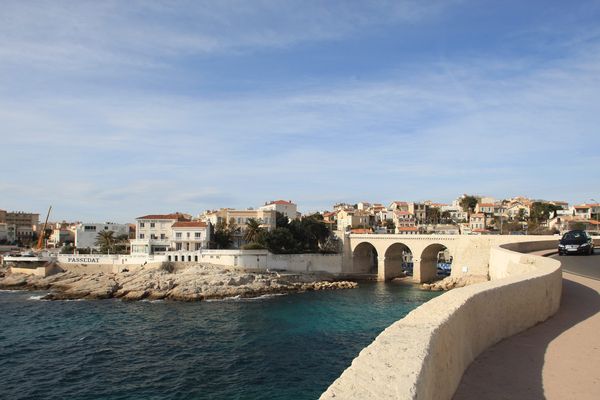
451, 282
197, 282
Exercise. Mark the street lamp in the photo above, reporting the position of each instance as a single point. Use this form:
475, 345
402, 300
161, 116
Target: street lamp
595, 204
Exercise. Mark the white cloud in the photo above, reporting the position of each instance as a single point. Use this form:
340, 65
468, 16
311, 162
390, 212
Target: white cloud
92, 36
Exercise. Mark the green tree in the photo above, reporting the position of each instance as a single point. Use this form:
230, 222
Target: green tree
469, 202
281, 221
446, 216
389, 224
121, 243
68, 249
317, 232
222, 237
433, 215
253, 232
280, 241
106, 241
541, 211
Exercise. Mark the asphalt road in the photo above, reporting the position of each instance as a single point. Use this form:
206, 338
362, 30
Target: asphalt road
588, 266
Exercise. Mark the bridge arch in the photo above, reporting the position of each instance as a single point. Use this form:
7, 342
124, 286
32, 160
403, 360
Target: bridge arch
427, 268
364, 259
397, 256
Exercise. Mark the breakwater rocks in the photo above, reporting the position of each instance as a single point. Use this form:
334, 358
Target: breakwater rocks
197, 282
452, 282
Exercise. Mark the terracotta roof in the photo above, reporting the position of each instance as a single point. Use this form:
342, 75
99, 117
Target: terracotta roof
402, 212
400, 203
407, 228
585, 206
189, 224
487, 205
176, 216
280, 202
479, 215
361, 230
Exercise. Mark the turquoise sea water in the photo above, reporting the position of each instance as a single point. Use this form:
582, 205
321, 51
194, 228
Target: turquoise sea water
281, 347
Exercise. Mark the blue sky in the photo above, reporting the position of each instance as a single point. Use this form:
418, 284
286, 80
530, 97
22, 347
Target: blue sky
110, 109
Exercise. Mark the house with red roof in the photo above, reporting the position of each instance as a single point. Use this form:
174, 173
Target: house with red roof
286, 207
154, 232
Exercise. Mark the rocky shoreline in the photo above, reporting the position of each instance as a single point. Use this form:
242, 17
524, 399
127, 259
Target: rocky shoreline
451, 282
194, 283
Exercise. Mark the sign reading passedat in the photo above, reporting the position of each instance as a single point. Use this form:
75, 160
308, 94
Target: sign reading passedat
84, 260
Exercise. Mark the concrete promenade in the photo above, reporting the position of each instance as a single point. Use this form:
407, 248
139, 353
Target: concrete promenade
557, 359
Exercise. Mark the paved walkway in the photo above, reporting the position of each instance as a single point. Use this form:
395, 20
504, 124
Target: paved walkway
557, 359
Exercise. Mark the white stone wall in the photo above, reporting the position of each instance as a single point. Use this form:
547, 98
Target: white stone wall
424, 355
331, 263
262, 260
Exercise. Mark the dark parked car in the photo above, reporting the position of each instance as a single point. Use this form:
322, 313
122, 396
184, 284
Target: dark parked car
576, 242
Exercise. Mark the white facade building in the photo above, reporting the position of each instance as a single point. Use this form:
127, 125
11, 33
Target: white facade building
86, 234
153, 232
287, 208
190, 235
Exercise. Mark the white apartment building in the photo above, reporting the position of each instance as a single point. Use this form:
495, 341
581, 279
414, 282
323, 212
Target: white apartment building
513, 210
349, 219
457, 214
239, 218
60, 236
363, 206
587, 211
477, 222
190, 235
399, 206
403, 219
153, 232
287, 208
86, 234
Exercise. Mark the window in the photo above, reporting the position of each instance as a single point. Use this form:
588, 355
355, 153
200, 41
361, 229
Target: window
197, 235
153, 236
141, 235
142, 225
178, 235
188, 234
89, 228
162, 236
177, 246
152, 224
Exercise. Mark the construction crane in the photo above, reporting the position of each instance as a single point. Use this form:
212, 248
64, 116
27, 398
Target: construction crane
40, 242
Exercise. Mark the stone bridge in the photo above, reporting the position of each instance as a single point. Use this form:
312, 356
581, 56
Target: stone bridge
383, 254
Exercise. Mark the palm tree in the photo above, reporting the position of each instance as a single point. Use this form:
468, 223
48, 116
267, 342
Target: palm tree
106, 241
253, 231
121, 244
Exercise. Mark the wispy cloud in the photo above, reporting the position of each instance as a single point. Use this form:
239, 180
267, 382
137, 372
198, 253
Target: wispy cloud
104, 150
77, 36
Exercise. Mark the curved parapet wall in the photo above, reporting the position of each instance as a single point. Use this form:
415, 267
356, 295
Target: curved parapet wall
424, 355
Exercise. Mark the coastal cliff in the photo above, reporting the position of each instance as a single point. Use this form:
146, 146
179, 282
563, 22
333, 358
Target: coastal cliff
196, 282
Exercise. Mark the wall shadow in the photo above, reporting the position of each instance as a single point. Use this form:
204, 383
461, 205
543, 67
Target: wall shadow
512, 368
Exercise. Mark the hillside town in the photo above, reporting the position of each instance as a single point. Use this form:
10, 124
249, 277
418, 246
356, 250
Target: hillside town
228, 228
